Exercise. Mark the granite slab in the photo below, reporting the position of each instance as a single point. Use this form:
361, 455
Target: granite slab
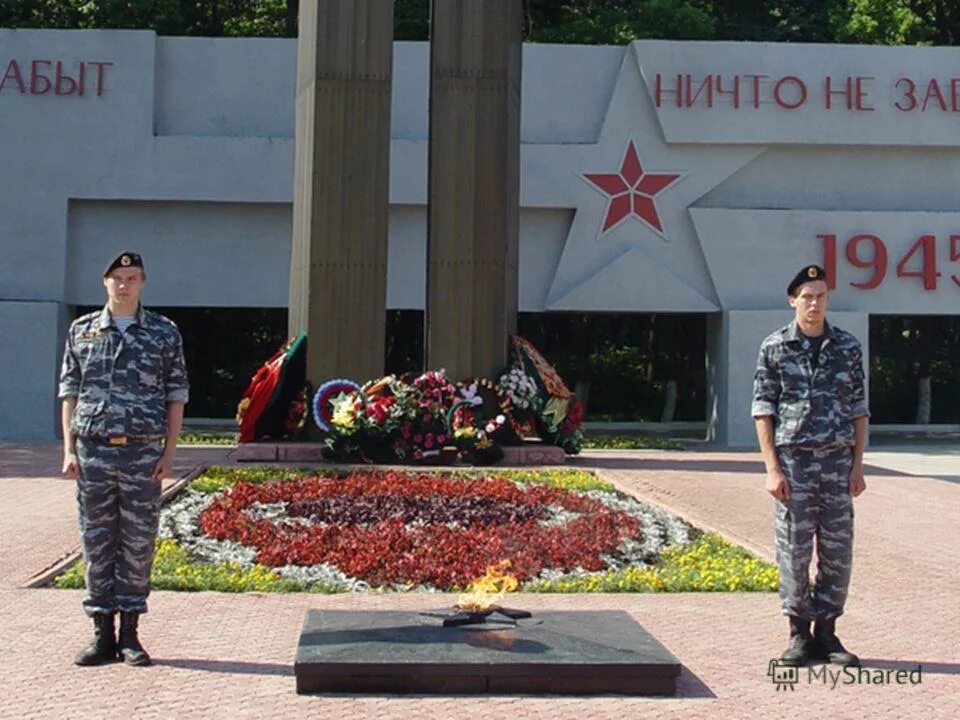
386, 652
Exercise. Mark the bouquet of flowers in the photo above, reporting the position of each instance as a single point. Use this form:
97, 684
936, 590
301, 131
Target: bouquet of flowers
520, 390
389, 405
428, 418
472, 435
559, 413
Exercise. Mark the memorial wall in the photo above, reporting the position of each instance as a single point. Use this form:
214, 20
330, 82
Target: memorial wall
659, 177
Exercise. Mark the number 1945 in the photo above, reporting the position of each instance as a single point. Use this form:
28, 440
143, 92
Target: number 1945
868, 252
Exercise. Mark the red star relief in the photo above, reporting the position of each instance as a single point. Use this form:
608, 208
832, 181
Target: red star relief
631, 191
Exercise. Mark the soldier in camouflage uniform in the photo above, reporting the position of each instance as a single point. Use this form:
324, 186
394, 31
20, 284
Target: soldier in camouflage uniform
811, 414
123, 385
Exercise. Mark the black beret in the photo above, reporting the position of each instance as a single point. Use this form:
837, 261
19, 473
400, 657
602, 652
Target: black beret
808, 274
124, 260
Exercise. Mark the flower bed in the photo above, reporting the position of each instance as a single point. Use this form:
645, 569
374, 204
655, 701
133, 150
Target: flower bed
562, 531
390, 528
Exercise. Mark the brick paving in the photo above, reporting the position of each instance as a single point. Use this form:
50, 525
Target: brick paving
231, 656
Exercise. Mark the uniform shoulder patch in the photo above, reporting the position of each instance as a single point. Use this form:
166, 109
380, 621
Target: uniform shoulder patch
777, 337
846, 339
159, 320
85, 324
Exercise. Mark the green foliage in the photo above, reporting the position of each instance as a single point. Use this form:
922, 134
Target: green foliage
560, 21
411, 19
164, 16
627, 359
709, 564
208, 438
566, 479
878, 22
904, 349
617, 23
262, 18
217, 477
173, 570
629, 442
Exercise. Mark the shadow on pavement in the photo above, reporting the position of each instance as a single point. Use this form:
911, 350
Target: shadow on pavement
690, 686
691, 464
30, 461
226, 666
669, 464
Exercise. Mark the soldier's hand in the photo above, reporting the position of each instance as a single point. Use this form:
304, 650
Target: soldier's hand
70, 469
857, 483
163, 469
777, 485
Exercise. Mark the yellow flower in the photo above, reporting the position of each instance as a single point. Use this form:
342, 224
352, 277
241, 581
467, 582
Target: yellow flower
343, 410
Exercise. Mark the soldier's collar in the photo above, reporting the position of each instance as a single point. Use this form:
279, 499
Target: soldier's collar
794, 334
140, 318
106, 318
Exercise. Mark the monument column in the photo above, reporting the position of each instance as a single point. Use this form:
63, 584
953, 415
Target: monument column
474, 187
338, 267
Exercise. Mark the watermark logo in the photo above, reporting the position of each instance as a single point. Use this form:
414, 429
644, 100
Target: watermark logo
783, 676
786, 677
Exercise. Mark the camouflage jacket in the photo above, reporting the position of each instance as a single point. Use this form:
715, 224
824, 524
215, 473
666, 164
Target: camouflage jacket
123, 381
810, 408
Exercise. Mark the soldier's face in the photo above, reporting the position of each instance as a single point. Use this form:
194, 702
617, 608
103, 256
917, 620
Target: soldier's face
811, 301
124, 285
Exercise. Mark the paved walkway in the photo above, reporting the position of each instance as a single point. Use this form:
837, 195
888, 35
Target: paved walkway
230, 656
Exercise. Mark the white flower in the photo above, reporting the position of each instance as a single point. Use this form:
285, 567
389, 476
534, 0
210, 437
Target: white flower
521, 389
470, 395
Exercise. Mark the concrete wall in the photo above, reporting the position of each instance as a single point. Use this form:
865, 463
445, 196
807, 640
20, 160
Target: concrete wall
183, 151
32, 343
733, 342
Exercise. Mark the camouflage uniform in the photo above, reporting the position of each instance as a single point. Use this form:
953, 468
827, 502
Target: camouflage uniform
813, 411
122, 382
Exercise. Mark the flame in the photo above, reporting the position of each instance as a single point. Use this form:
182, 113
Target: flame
489, 589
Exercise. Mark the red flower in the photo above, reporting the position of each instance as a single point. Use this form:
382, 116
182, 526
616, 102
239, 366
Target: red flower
574, 417
496, 520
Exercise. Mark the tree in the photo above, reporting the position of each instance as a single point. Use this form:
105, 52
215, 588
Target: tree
560, 21
881, 22
411, 19
616, 22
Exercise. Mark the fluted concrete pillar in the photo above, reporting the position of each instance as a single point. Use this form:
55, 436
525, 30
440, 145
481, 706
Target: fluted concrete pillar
475, 71
338, 273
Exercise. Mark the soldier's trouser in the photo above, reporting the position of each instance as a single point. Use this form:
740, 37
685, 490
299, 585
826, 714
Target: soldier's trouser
820, 507
119, 511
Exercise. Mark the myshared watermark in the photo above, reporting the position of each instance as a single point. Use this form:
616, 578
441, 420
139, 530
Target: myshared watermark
787, 677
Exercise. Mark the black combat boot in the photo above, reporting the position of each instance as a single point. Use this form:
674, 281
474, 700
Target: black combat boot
103, 649
829, 645
129, 648
801, 644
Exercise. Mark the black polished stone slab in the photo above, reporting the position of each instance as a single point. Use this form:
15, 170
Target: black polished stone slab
581, 653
